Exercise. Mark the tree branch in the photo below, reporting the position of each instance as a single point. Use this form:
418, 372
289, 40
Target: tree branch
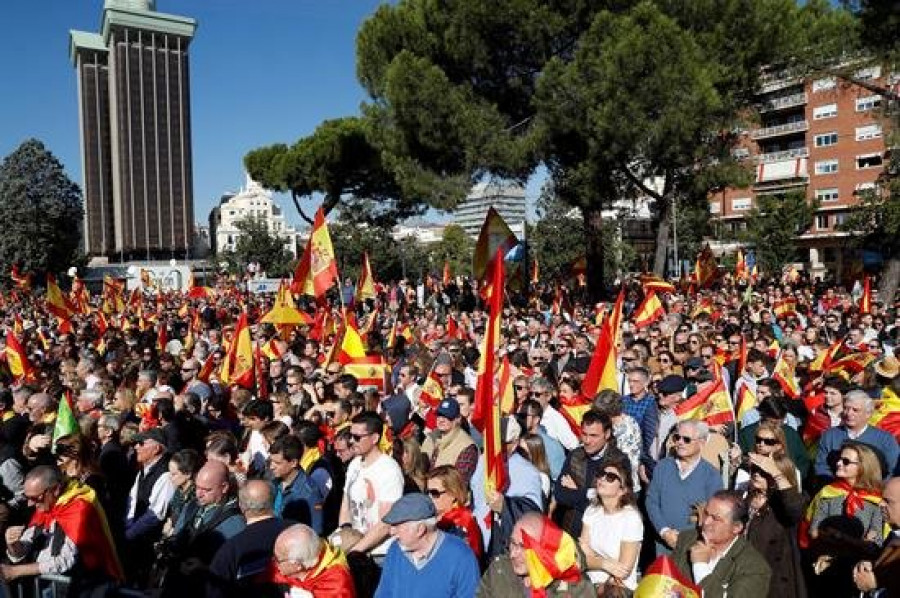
637, 182
299, 209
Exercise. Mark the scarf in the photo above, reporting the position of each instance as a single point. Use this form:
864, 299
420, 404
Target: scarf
309, 458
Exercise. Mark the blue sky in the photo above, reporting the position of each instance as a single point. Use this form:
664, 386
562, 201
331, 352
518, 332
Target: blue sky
263, 71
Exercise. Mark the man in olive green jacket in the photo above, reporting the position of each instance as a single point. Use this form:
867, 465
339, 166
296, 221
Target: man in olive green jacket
718, 558
507, 576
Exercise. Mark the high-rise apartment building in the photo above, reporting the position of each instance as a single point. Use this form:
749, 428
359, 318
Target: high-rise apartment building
135, 124
820, 136
507, 198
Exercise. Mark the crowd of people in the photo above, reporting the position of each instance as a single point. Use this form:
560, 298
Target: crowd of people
127, 466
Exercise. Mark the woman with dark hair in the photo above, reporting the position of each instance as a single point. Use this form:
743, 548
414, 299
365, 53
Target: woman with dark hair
183, 466
531, 446
75, 459
625, 429
612, 529
775, 507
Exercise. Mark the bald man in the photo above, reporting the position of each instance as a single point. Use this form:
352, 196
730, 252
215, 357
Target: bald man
884, 574
306, 562
249, 552
508, 575
204, 525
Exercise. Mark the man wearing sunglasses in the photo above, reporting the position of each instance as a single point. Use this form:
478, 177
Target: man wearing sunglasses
374, 483
679, 482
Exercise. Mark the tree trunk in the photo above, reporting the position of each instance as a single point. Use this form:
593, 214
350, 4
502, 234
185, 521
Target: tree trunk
890, 279
593, 251
664, 211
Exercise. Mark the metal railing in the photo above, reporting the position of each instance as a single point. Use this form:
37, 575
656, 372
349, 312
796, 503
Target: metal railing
797, 152
797, 99
787, 128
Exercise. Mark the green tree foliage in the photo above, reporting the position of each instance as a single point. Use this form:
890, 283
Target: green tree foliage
773, 225
390, 259
455, 248
40, 211
256, 244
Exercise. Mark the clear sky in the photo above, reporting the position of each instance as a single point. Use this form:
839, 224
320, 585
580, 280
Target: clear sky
262, 71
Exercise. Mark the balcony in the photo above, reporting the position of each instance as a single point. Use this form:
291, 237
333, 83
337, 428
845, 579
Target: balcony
798, 126
782, 173
784, 102
797, 152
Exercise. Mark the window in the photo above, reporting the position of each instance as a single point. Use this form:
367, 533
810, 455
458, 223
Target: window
868, 132
869, 161
840, 219
740, 203
872, 72
867, 103
826, 111
740, 153
863, 187
826, 166
715, 208
823, 84
822, 221
826, 139
830, 194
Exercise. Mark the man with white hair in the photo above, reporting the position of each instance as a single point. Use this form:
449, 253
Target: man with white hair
858, 408
424, 561
90, 403
679, 482
310, 564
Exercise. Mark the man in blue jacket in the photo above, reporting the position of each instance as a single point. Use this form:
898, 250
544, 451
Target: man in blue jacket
295, 496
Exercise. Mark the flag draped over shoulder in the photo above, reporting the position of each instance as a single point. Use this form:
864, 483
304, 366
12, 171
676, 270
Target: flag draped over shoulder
550, 557
663, 579
80, 515
330, 577
238, 366
854, 498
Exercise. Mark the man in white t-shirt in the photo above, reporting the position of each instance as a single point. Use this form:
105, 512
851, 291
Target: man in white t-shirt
374, 483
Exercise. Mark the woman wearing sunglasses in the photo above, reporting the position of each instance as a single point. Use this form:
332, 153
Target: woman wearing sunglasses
769, 441
612, 529
450, 496
775, 507
845, 522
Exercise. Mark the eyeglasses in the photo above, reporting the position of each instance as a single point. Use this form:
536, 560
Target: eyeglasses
766, 441
358, 437
609, 477
520, 387
435, 493
846, 462
38, 498
681, 438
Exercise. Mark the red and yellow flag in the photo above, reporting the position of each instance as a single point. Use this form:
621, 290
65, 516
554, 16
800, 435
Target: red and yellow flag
486, 414
664, 579
445, 279
710, 404
352, 346
550, 557
740, 266
887, 413
746, 400
366, 287
650, 310
323, 271
785, 308
601, 374
56, 301
21, 281
17, 359
783, 373
865, 302
535, 270
238, 366
707, 268
651, 282
432, 390
505, 391
495, 236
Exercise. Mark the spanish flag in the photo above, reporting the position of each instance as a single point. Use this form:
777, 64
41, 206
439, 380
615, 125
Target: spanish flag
79, 513
783, 373
505, 392
601, 374
707, 268
16, 358
238, 366
865, 302
487, 413
746, 400
854, 499
740, 266
550, 557
445, 279
785, 308
365, 289
495, 236
351, 346
57, 304
329, 577
21, 281
849, 366
113, 295
887, 413
663, 579
650, 310
651, 282
432, 392
710, 404
323, 271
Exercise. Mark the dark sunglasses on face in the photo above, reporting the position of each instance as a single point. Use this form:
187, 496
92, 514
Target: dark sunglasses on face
766, 441
435, 493
610, 476
681, 438
358, 437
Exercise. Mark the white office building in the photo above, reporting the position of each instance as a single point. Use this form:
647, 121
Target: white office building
505, 197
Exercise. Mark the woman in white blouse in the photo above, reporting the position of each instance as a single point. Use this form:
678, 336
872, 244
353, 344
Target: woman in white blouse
612, 528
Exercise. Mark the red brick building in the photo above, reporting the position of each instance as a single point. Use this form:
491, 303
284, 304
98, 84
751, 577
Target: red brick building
823, 136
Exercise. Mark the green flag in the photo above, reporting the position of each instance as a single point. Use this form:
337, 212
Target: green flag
65, 421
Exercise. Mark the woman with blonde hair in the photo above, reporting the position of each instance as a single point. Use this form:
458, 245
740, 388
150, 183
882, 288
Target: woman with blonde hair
531, 446
450, 496
413, 462
612, 529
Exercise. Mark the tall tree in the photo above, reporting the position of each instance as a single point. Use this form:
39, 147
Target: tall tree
773, 225
454, 248
40, 211
256, 244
